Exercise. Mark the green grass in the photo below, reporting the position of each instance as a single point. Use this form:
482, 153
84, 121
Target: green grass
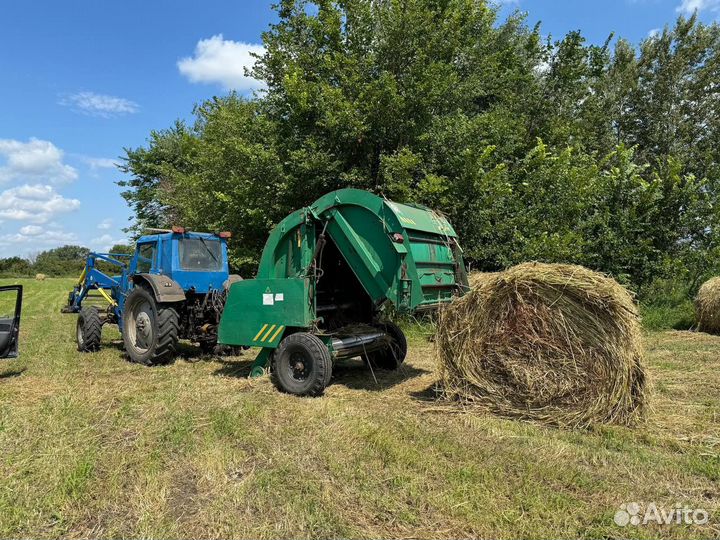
667, 304
91, 445
668, 317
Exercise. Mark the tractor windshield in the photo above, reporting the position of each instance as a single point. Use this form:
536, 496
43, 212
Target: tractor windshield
200, 254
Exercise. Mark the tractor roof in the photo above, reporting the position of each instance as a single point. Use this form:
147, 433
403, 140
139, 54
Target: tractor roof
171, 234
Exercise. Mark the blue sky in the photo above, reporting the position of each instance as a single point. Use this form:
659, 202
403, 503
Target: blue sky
82, 79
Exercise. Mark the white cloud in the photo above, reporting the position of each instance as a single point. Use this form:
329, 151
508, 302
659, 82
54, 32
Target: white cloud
688, 7
36, 203
100, 105
100, 163
655, 32
46, 238
217, 60
105, 224
106, 242
31, 230
35, 160
104, 239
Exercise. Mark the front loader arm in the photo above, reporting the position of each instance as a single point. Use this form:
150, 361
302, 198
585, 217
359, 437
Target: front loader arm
92, 278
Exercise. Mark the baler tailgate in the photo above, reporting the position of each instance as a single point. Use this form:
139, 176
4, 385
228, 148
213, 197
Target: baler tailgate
435, 266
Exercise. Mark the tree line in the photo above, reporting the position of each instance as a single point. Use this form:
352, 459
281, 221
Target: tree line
536, 148
65, 261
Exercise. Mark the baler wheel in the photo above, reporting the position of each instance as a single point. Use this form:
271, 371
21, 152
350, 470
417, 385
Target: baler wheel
301, 365
89, 329
150, 329
394, 354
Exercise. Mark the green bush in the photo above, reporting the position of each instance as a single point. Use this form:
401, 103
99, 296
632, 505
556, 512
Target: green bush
668, 304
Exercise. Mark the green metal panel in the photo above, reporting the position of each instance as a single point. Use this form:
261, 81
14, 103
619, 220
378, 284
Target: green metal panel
418, 272
367, 250
361, 224
259, 311
289, 249
421, 218
404, 254
434, 263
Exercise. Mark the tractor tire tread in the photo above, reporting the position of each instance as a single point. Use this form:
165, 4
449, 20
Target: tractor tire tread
168, 329
91, 327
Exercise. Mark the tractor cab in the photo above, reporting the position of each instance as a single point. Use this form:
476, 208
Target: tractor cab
196, 261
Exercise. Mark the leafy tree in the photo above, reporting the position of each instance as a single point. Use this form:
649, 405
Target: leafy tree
61, 261
536, 149
122, 248
15, 267
153, 169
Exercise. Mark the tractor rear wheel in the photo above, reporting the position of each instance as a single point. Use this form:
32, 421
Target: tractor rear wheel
150, 329
394, 354
301, 365
89, 329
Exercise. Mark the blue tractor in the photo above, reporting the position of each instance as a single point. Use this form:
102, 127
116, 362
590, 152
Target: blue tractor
172, 287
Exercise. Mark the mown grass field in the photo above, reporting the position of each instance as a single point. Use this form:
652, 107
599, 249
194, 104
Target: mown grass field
91, 445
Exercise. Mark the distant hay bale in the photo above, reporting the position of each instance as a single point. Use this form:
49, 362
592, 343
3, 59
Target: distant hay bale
554, 343
707, 306
40, 277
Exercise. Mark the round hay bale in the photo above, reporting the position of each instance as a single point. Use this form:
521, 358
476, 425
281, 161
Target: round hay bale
40, 277
554, 343
478, 278
707, 306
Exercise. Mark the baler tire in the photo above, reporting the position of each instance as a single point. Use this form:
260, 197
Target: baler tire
165, 325
89, 329
392, 356
298, 349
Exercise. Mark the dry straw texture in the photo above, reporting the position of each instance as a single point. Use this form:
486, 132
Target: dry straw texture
554, 343
707, 306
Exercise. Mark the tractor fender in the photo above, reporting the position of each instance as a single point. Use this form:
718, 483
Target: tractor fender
164, 289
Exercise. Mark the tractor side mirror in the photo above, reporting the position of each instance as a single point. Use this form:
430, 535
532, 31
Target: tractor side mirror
10, 307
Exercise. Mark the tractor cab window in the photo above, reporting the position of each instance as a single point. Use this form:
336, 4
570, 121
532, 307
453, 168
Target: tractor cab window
201, 254
146, 256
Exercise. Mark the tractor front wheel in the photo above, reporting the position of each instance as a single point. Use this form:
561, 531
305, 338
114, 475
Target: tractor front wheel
150, 329
89, 329
301, 365
394, 353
